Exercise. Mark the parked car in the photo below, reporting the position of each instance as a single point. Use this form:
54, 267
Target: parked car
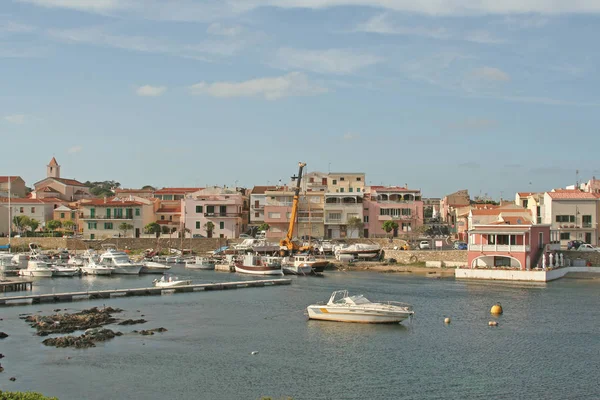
460, 246
574, 244
587, 247
424, 245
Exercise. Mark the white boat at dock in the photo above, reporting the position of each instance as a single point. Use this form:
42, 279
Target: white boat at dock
344, 308
65, 270
359, 251
303, 264
37, 267
259, 265
152, 267
6, 265
203, 263
118, 260
97, 269
170, 282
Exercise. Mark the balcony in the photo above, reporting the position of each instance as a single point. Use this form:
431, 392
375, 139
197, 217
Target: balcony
222, 215
310, 219
107, 217
334, 221
395, 217
258, 207
501, 248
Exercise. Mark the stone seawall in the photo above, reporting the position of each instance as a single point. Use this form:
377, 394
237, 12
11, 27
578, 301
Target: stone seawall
420, 256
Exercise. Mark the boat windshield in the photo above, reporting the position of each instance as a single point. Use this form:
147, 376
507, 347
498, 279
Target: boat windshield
356, 300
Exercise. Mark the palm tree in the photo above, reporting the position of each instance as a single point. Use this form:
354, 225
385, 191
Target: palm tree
389, 226
124, 226
209, 227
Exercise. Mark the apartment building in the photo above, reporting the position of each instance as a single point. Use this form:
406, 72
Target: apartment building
221, 207
391, 203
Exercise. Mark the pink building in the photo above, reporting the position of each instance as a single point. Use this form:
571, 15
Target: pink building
507, 242
222, 207
399, 204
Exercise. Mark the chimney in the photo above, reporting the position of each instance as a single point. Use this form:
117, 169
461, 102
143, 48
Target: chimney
104, 199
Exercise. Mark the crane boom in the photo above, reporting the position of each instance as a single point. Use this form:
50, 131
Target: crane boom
287, 242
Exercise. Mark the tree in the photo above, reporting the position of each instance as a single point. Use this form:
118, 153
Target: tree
209, 227
69, 225
355, 224
153, 227
21, 222
165, 230
103, 188
390, 226
53, 224
124, 226
148, 187
263, 227
33, 224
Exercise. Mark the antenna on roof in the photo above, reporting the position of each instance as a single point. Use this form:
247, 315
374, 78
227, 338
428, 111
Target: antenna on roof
577, 179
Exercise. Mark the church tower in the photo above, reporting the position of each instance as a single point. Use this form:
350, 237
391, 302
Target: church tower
53, 169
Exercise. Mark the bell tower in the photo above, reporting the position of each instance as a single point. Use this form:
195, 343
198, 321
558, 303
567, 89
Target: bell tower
53, 169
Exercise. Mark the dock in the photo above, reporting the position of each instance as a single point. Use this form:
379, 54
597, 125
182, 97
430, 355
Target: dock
151, 291
15, 285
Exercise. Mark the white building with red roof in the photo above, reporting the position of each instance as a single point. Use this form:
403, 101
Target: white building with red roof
573, 214
61, 188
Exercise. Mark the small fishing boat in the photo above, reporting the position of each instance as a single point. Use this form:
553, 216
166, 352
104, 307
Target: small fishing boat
97, 269
170, 282
360, 251
344, 308
203, 263
303, 264
65, 270
259, 265
151, 267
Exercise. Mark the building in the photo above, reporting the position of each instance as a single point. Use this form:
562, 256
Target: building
497, 241
345, 182
257, 204
38, 209
531, 201
451, 202
221, 207
573, 214
65, 213
169, 212
53, 186
278, 211
145, 193
102, 218
431, 207
15, 184
392, 203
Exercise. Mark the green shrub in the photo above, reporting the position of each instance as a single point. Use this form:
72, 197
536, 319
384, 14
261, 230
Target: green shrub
24, 396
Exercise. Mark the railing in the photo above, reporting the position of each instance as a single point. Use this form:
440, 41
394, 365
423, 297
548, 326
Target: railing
395, 201
587, 225
333, 221
222, 215
106, 216
310, 219
394, 217
258, 207
499, 248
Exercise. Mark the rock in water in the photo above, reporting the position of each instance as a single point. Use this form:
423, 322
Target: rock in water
132, 321
3, 335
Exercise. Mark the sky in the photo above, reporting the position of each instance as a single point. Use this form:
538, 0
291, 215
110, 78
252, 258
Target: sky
491, 96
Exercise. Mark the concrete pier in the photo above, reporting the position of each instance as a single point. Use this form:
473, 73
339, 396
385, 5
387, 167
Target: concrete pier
151, 291
15, 285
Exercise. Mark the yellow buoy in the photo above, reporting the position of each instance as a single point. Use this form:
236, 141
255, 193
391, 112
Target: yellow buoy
496, 309
446, 320
493, 323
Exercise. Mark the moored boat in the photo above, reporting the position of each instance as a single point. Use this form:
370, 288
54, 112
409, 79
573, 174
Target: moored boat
359, 250
64, 270
170, 282
344, 308
119, 261
203, 263
151, 267
92, 268
303, 264
258, 265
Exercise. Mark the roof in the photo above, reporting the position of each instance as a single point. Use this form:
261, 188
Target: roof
4, 179
512, 221
134, 191
571, 195
498, 211
525, 194
262, 189
53, 163
111, 202
395, 189
177, 190
72, 182
62, 208
17, 200
48, 189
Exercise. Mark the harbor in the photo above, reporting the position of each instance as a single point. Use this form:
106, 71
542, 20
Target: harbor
15, 285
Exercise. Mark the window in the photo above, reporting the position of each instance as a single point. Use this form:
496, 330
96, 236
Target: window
359, 178
72, 215
342, 178
586, 220
137, 212
312, 180
358, 190
198, 209
210, 209
366, 219
257, 215
341, 190
351, 190
197, 224
91, 225
62, 215
565, 218
335, 182
491, 239
108, 213
274, 215
162, 217
221, 225
324, 181
525, 202
108, 225
334, 216
565, 236
406, 211
501, 262
168, 197
33, 210
22, 210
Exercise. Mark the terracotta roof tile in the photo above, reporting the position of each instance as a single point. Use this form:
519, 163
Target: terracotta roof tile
177, 190
72, 182
261, 189
16, 200
571, 195
4, 179
53, 163
165, 210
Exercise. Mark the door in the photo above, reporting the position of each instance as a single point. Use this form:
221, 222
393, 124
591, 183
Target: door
137, 232
588, 237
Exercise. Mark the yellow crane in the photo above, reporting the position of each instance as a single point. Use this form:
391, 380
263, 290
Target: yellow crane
287, 244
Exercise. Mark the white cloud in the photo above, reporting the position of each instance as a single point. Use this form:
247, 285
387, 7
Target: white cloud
221, 30
483, 37
349, 136
204, 50
271, 88
15, 27
332, 61
17, 119
491, 74
75, 149
150, 91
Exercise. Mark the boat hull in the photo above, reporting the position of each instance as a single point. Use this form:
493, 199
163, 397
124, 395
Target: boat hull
171, 284
129, 270
65, 273
206, 267
319, 266
325, 313
258, 270
36, 273
154, 268
297, 270
97, 271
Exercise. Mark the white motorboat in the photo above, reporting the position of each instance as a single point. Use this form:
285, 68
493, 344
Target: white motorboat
303, 264
174, 260
6, 264
259, 265
151, 267
359, 250
92, 268
76, 261
37, 267
344, 308
119, 261
19, 260
203, 263
65, 270
170, 282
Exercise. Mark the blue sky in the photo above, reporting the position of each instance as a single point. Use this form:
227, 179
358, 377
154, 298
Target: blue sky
494, 97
